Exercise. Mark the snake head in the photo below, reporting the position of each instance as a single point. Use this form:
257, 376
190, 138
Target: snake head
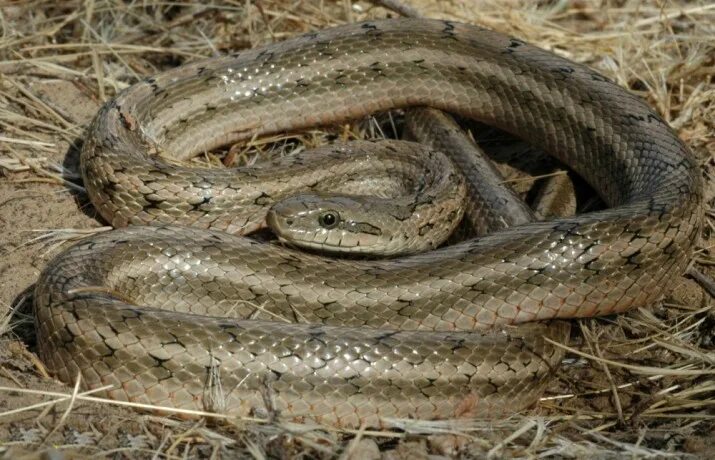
336, 224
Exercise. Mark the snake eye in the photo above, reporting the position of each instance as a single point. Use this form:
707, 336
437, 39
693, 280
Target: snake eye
328, 219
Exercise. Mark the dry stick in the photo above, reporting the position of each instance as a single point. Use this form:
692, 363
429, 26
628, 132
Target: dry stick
644, 370
70, 406
41, 105
595, 392
494, 452
83, 397
169, 410
702, 279
60, 398
9, 375
612, 383
399, 7
352, 447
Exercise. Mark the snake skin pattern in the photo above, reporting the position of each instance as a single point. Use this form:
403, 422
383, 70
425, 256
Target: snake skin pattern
376, 216
166, 312
491, 206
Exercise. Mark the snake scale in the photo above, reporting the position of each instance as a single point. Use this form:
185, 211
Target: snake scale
172, 305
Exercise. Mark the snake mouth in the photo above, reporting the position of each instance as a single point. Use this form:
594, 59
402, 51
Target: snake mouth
324, 248
282, 226
314, 245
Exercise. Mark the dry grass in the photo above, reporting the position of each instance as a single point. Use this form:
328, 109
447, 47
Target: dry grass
639, 385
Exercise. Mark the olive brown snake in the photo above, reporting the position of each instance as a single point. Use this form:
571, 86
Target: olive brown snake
341, 341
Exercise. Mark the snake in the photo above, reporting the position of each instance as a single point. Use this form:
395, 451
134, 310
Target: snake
177, 308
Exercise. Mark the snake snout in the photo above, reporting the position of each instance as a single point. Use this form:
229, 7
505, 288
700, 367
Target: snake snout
295, 219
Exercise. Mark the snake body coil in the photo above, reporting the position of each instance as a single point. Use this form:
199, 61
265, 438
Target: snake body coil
429, 335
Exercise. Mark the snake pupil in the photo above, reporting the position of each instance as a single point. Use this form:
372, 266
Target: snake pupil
328, 220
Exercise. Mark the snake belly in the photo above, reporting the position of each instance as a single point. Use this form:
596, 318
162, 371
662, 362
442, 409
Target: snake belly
154, 309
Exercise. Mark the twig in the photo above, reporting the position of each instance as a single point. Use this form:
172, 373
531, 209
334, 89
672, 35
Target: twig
399, 7
702, 279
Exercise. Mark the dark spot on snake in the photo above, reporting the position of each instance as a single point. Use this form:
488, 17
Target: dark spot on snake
525, 345
567, 229
631, 259
135, 313
70, 335
227, 330
402, 305
159, 361
456, 344
110, 187
265, 55
386, 335
359, 385
227, 327
375, 67
150, 80
599, 77
652, 117
668, 248
317, 336
509, 366
425, 229
215, 238
364, 227
175, 341
110, 352
263, 200
112, 328
514, 43
197, 206
152, 203
563, 72
214, 79
635, 117
73, 313
294, 266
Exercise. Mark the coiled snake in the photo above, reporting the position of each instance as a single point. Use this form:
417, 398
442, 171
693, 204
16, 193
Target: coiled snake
342, 341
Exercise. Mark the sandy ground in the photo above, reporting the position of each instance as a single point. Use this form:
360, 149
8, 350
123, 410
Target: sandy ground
42, 208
